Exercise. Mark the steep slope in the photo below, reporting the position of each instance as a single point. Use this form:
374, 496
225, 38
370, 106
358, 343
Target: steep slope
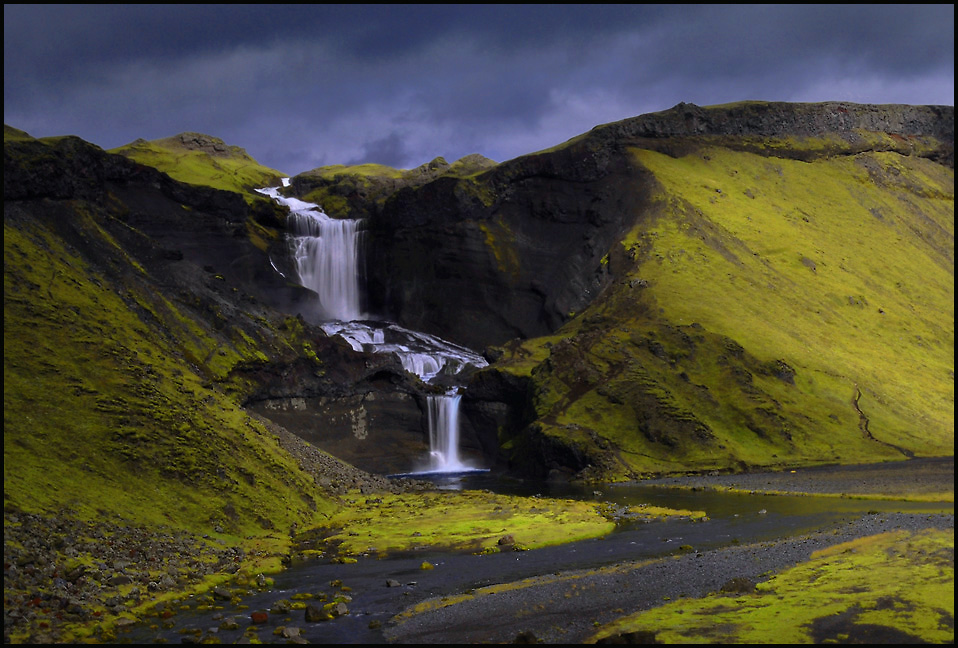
137, 311
704, 288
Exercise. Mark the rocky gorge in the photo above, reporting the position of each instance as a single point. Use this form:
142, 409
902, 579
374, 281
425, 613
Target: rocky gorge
726, 289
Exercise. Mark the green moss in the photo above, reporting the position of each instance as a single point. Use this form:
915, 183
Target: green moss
875, 303
897, 582
227, 167
765, 312
467, 521
369, 170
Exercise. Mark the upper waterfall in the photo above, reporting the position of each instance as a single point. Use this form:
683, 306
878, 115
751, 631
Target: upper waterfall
327, 253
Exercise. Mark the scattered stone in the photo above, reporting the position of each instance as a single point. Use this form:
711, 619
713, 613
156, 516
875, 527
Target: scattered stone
739, 585
315, 614
222, 594
229, 624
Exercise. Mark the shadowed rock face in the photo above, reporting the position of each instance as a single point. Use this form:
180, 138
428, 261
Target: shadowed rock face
512, 252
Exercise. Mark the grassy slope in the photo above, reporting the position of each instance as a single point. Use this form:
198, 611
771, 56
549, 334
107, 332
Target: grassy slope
108, 386
755, 302
232, 170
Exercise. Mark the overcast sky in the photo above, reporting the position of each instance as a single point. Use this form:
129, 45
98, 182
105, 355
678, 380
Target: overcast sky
302, 86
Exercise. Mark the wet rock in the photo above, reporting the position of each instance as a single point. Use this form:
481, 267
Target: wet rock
315, 614
222, 594
739, 585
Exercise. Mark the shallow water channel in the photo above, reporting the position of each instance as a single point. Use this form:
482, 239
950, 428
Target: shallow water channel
732, 519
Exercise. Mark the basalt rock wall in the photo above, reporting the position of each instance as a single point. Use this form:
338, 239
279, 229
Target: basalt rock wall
511, 252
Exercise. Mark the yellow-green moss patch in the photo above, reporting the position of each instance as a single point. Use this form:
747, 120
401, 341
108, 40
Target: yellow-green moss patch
901, 583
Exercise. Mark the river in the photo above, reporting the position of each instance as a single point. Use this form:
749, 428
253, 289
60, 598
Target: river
734, 519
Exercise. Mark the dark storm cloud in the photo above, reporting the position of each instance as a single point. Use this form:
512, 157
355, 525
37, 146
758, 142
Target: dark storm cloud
300, 86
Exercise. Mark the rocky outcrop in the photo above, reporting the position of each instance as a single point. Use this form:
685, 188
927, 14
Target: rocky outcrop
357, 192
362, 408
512, 252
185, 233
779, 119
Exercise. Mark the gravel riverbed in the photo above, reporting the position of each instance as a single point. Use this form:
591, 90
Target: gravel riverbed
44, 588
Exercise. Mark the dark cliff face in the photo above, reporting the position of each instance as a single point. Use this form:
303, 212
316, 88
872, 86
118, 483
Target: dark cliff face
511, 252
516, 251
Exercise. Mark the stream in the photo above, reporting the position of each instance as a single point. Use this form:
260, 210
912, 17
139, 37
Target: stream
733, 519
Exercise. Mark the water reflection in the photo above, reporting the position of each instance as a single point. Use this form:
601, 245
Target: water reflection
733, 518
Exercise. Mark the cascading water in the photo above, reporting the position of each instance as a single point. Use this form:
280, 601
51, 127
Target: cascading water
444, 433
327, 253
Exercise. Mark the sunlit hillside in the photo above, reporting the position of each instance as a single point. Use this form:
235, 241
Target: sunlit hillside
117, 394
766, 312
203, 160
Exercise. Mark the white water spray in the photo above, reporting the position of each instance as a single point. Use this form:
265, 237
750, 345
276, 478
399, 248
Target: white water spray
444, 434
327, 254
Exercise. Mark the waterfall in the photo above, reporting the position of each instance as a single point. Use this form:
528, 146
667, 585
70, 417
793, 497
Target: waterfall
327, 254
444, 434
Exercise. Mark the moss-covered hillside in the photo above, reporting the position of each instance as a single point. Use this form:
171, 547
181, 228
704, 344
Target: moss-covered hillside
203, 160
118, 396
140, 313
778, 301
